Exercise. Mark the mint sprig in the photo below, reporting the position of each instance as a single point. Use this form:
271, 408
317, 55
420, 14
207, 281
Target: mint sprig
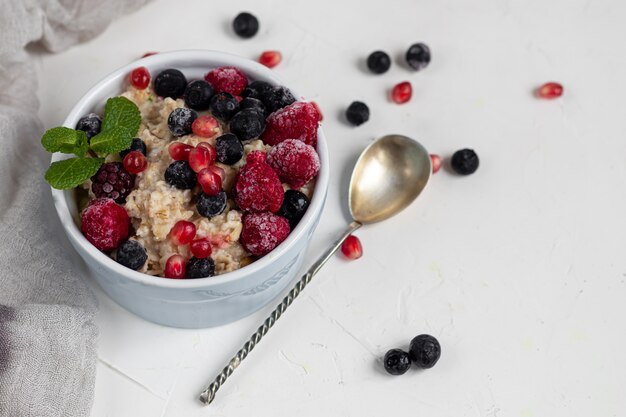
120, 123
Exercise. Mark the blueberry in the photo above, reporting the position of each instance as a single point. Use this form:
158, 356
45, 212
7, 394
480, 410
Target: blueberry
248, 124
418, 56
211, 205
378, 62
277, 98
256, 89
170, 83
200, 268
396, 362
294, 206
132, 254
90, 124
137, 145
424, 351
358, 113
229, 149
198, 94
180, 175
465, 162
223, 106
253, 104
180, 121
246, 25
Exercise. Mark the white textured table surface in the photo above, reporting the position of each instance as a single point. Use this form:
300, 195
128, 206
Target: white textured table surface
519, 270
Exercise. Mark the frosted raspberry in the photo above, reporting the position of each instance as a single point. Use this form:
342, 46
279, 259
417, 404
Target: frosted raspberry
227, 79
258, 188
296, 121
105, 224
262, 232
295, 162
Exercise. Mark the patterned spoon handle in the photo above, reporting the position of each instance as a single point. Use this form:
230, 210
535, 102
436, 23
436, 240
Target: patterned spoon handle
208, 395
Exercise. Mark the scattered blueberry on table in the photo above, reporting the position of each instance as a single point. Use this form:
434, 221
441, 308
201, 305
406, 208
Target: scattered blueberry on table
357, 113
246, 25
464, 161
378, 62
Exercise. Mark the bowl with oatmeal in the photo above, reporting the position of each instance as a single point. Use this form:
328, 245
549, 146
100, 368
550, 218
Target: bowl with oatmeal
190, 182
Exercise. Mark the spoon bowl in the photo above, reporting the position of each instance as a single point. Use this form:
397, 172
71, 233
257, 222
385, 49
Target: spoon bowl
388, 176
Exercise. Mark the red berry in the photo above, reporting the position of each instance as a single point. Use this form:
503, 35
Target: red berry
296, 121
140, 78
270, 58
147, 54
295, 162
205, 126
550, 90
201, 248
201, 157
262, 232
227, 79
183, 232
258, 188
317, 107
179, 151
105, 224
402, 92
135, 162
175, 267
210, 181
351, 247
435, 162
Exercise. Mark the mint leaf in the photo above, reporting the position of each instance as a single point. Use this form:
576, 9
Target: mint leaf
65, 140
120, 112
112, 140
72, 172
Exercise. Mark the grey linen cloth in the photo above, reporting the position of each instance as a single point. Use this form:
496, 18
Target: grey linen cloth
47, 330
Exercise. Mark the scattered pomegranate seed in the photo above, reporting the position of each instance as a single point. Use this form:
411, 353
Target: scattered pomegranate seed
270, 58
149, 54
205, 126
175, 267
201, 248
435, 161
210, 181
402, 92
183, 232
319, 111
351, 247
140, 78
179, 151
219, 171
135, 162
201, 157
550, 90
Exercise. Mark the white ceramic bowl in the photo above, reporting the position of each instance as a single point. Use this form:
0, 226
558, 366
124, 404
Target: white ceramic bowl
193, 303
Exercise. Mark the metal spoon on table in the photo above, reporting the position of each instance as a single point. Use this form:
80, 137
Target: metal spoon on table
388, 176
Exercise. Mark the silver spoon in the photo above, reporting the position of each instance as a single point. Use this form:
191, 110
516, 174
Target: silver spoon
388, 176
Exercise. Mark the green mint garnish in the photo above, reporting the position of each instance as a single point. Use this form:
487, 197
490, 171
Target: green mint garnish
121, 122
72, 172
65, 140
112, 140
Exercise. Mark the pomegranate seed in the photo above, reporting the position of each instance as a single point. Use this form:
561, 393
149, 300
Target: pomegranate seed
179, 151
211, 149
210, 181
319, 111
205, 126
140, 78
175, 267
351, 247
435, 161
135, 162
219, 171
270, 58
201, 248
402, 92
550, 90
149, 54
183, 232
201, 157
